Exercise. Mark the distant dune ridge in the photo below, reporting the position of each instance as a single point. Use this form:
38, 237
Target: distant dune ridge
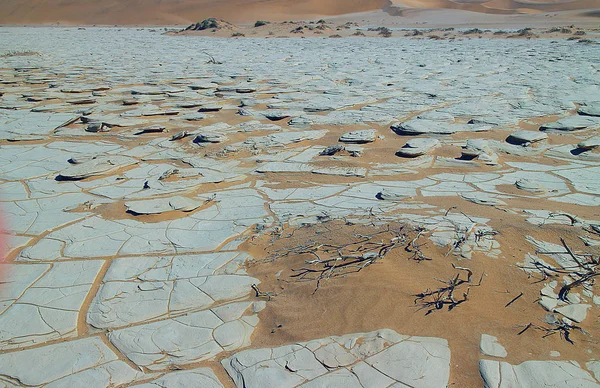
165, 12
174, 11
497, 6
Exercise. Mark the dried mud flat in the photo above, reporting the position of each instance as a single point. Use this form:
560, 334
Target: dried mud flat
185, 211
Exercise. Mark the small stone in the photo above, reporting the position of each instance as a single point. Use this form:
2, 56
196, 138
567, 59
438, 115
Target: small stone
387, 195
548, 303
354, 151
202, 86
490, 347
531, 186
575, 312
489, 159
342, 171
180, 135
361, 136
259, 306
572, 123
525, 137
210, 137
158, 112
573, 298
97, 166
594, 367
151, 129
417, 147
567, 321
554, 353
437, 116
475, 147
590, 143
590, 109
277, 115
82, 101
332, 150
245, 90
194, 117
189, 104
482, 199
210, 108
97, 127
431, 127
549, 292
163, 205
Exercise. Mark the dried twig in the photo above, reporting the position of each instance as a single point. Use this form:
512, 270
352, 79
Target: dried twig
481, 233
444, 296
461, 212
415, 249
574, 220
570, 252
556, 326
593, 228
331, 260
212, 60
514, 300
262, 294
527, 327
585, 270
562, 294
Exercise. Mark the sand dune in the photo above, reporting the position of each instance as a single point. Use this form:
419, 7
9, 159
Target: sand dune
174, 11
163, 12
495, 6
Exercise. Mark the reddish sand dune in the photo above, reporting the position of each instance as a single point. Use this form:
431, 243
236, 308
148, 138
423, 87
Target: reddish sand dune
168, 12
174, 11
497, 6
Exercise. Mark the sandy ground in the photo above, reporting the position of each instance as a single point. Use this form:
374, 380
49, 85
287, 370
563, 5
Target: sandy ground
384, 295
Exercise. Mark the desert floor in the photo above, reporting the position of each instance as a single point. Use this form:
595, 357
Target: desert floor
420, 210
